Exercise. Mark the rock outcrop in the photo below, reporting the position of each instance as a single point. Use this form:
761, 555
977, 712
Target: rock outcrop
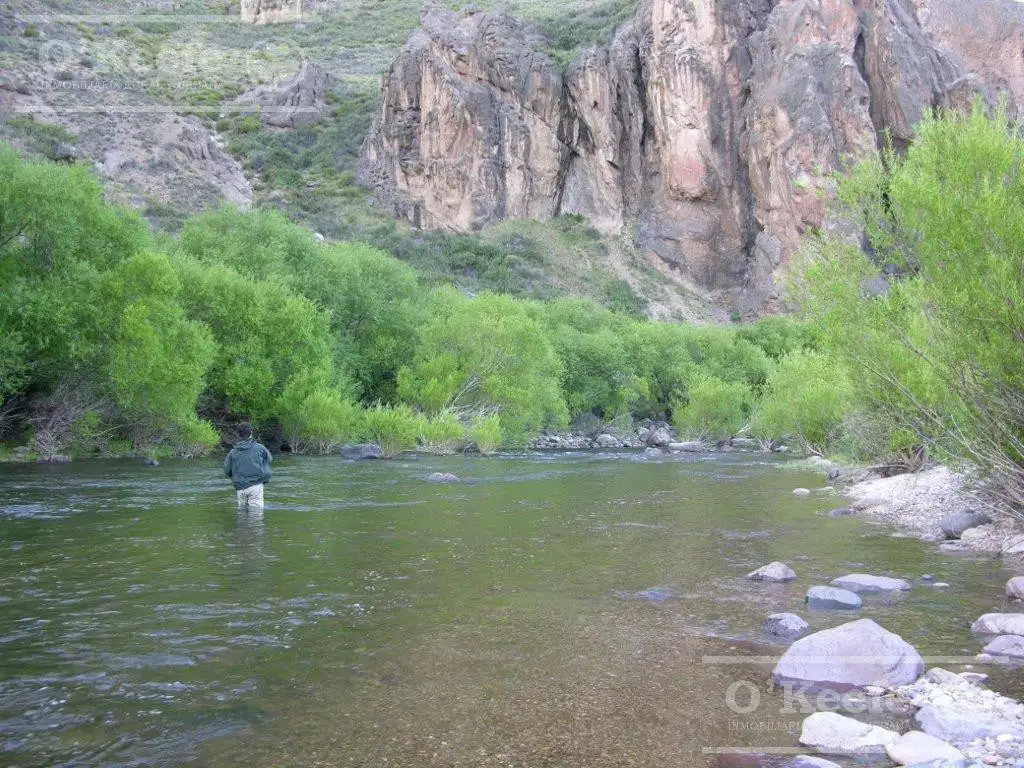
300, 100
271, 11
708, 129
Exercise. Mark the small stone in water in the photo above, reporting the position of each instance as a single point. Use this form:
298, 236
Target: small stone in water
927, 577
801, 492
940, 584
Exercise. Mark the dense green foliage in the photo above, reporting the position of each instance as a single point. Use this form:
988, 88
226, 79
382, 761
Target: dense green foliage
930, 320
115, 338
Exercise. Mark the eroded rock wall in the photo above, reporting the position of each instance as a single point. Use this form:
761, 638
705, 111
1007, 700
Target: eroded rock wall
709, 129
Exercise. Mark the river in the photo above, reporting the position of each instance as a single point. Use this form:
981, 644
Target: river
369, 618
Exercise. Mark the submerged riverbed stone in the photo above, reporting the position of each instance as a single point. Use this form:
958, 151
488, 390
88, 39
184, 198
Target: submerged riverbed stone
915, 747
785, 625
443, 477
842, 512
834, 734
653, 453
809, 761
1015, 588
999, 624
831, 597
1010, 646
773, 572
955, 524
852, 655
865, 584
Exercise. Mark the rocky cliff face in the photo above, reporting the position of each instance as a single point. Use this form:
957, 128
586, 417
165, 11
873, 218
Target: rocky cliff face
707, 128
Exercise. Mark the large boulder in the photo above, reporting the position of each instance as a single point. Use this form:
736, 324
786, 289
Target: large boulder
865, 584
852, 655
1013, 546
830, 597
659, 437
787, 625
915, 747
773, 572
834, 734
999, 624
954, 525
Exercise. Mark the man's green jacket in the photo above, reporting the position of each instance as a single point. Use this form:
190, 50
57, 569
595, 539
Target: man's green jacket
247, 464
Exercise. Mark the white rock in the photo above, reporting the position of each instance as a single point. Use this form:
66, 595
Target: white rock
999, 624
1015, 588
801, 492
688, 447
961, 723
831, 597
1014, 546
916, 747
1009, 646
864, 583
855, 654
834, 734
773, 572
807, 761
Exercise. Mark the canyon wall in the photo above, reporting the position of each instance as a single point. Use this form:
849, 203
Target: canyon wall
708, 130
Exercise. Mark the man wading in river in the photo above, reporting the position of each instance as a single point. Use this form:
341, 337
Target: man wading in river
248, 467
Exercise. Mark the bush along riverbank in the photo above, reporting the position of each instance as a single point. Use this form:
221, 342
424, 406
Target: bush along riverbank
904, 347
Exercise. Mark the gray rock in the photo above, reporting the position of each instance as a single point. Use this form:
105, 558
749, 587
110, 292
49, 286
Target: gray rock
773, 572
927, 577
301, 100
652, 595
999, 624
865, 584
1015, 588
693, 446
443, 477
830, 597
955, 524
659, 437
961, 725
941, 676
842, 512
801, 492
57, 458
975, 678
940, 585
361, 451
607, 441
851, 655
834, 734
834, 474
653, 452
150, 462
1013, 546
1008, 646
915, 747
786, 625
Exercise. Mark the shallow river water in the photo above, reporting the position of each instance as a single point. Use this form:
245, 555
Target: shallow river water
369, 618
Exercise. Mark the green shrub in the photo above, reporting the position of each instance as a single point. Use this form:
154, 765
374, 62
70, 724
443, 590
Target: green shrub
485, 432
194, 437
316, 418
392, 427
440, 434
716, 410
807, 398
485, 353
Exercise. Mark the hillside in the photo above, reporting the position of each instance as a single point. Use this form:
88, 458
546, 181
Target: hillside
148, 94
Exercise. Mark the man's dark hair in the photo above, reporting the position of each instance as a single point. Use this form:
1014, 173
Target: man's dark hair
245, 431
